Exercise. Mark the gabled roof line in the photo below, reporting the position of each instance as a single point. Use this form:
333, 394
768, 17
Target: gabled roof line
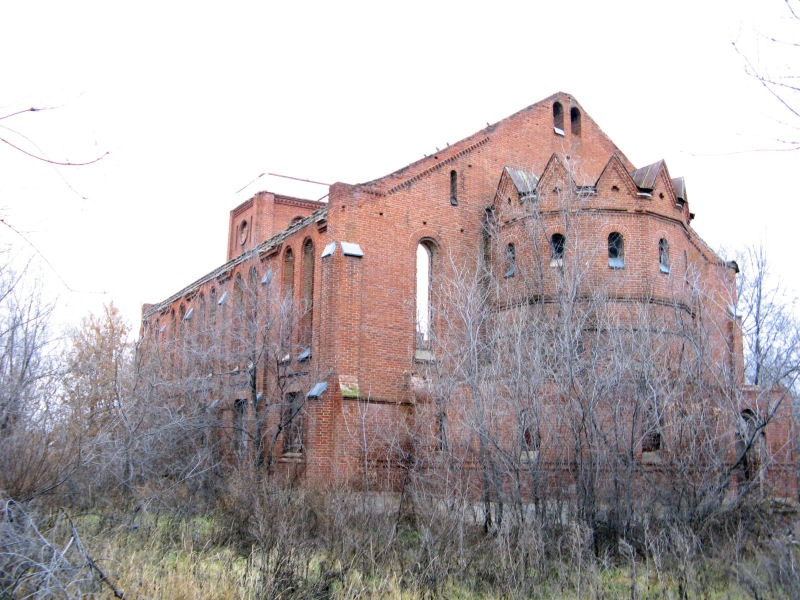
369, 186
275, 240
615, 162
645, 177
411, 180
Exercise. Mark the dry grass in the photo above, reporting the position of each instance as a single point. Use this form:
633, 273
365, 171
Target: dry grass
205, 557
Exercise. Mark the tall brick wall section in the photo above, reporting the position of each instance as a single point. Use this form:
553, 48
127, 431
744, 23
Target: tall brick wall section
263, 216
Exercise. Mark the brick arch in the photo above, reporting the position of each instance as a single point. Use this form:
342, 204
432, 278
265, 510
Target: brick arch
288, 259
425, 233
422, 315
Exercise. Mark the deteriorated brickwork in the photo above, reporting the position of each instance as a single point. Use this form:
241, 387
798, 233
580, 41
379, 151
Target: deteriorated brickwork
538, 176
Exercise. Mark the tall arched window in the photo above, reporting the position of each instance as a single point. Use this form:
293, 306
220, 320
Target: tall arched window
212, 305
575, 121
750, 445
239, 321
424, 273
288, 274
616, 250
557, 244
663, 255
558, 117
308, 292
511, 260
454, 188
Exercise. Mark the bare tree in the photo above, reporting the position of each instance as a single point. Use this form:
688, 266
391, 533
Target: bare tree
553, 398
34, 455
777, 76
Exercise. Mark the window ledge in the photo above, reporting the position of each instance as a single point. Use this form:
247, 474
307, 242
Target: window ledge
529, 456
556, 262
652, 457
291, 457
664, 269
423, 355
616, 263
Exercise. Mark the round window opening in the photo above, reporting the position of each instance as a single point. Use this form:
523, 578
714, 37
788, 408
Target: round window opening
244, 229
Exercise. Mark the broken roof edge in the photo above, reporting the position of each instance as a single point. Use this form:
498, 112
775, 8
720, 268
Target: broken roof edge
280, 198
524, 180
317, 215
476, 139
645, 177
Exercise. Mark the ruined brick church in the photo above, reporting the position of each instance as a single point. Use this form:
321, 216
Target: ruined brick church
355, 276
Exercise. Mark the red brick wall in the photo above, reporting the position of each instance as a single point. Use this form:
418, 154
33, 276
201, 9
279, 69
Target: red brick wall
363, 322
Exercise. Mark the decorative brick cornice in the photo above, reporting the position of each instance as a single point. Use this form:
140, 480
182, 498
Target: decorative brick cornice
298, 202
435, 167
246, 205
226, 270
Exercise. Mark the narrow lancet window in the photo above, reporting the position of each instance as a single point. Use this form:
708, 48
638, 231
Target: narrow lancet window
616, 250
454, 188
663, 255
308, 292
557, 243
423, 317
288, 274
575, 121
511, 260
558, 118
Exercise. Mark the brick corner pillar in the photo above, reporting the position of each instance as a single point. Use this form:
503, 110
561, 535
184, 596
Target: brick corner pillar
337, 344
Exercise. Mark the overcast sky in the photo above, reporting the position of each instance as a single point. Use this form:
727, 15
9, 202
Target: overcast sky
193, 100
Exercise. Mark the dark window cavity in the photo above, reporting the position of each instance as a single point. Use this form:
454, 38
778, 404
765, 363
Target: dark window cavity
557, 243
663, 255
558, 118
288, 274
575, 121
308, 293
511, 260
454, 188
293, 423
616, 250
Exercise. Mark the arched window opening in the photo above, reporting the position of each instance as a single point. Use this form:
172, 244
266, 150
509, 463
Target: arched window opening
253, 281
295, 220
557, 247
244, 231
288, 274
292, 418
616, 250
558, 118
308, 293
511, 260
529, 443
239, 431
251, 299
454, 188
423, 304
663, 255
441, 430
212, 304
750, 445
239, 321
575, 120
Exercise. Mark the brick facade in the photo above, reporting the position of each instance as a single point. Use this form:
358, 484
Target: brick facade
355, 292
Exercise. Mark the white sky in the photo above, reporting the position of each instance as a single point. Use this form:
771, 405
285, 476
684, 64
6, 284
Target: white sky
193, 100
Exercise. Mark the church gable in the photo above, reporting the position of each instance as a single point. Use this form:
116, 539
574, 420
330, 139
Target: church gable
555, 125
615, 180
554, 183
